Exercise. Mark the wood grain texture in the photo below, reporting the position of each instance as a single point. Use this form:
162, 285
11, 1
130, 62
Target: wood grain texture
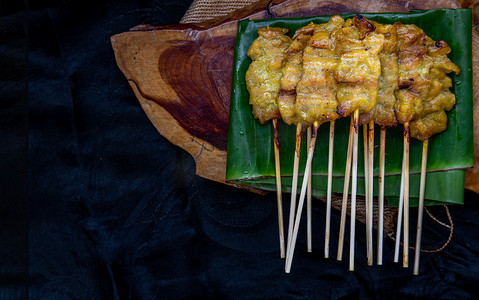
181, 74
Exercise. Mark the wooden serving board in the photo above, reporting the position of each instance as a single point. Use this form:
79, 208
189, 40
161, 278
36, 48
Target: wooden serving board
181, 74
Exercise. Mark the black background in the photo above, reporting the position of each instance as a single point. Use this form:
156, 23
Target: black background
96, 204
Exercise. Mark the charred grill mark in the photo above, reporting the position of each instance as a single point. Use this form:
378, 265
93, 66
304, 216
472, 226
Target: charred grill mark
275, 135
340, 110
355, 125
287, 93
298, 144
406, 84
315, 131
406, 131
440, 44
365, 26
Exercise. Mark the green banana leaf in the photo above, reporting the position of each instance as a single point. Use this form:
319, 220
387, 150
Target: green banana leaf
250, 155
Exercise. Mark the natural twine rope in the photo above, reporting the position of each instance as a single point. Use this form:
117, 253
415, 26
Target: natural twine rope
450, 226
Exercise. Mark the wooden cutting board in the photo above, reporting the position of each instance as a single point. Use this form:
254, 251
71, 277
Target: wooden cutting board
181, 74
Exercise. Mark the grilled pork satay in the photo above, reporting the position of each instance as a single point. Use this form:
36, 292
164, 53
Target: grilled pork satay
357, 74
414, 84
315, 82
316, 97
291, 74
433, 118
439, 99
383, 112
359, 68
262, 81
263, 76
383, 115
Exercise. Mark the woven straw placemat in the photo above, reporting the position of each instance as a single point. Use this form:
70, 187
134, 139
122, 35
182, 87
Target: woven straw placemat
202, 10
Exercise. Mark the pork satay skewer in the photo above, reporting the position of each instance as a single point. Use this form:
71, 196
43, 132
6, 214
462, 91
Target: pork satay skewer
414, 84
291, 74
433, 119
383, 115
357, 75
316, 99
262, 81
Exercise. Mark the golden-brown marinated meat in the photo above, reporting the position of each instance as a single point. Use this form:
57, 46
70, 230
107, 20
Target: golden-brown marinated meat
292, 71
383, 113
264, 74
414, 67
433, 119
316, 91
359, 68
428, 125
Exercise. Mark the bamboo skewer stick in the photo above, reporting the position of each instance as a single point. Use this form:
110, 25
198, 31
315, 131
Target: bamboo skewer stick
382, 154
308, 202
366, 184
405, 255
353, 191
347, 174
294, 187
278, 188
420, 206
332, 125
400, 213
370, 192
307, 171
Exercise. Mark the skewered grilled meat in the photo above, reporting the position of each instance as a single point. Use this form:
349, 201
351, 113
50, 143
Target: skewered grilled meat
433, 119
264, 73
292, 71
359, 67
414, 67
316, 91
383, 113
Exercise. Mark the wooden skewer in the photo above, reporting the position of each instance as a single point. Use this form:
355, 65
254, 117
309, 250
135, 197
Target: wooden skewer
294, 187
382, 154
347, 174
400, 212
307, 171
332, 125
308, 202
366, 182
278, 187
420, 206
405, 256
354, 183
370, 192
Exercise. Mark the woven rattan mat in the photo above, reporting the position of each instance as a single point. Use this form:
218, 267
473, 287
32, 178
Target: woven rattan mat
202, 10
